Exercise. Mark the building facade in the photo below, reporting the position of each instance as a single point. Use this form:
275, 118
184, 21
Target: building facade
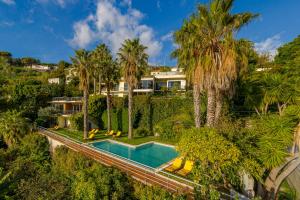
174, 80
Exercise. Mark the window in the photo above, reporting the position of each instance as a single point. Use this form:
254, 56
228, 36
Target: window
160, 85
146, 84
174, 85
125, 86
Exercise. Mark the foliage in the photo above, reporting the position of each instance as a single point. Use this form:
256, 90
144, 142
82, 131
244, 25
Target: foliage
171, 128
141, 132
97, 106
276, 136
47, 116
13, 127
29, 96
143, 192
76, 121
214, 155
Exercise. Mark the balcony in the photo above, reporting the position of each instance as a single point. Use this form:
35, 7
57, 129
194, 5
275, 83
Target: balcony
69, 112
67, 99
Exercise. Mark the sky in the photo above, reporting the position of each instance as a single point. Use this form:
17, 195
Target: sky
51, 30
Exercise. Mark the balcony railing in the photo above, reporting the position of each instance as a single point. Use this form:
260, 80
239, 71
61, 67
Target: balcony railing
69, 112
67, 98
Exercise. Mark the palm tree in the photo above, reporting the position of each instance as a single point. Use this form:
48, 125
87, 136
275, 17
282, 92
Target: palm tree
109, 74
81, 62
188, 59
97, 67
211, 32
13, 127
133, 61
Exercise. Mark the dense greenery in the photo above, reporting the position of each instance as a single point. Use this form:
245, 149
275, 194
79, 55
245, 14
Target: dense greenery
251, 104
29, 172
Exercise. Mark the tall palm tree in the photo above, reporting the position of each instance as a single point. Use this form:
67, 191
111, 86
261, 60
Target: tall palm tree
133, 61
109, 74
211, 32
96, 57
81, 62
188, 59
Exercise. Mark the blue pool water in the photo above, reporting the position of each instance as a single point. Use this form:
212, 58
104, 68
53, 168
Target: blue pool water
150, 154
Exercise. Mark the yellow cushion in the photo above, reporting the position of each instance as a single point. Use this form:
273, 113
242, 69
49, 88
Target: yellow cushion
188, 165
177, 162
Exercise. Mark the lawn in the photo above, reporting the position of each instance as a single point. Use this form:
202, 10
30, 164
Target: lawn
78, 135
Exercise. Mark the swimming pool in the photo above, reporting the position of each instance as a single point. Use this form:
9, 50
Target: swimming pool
149, 154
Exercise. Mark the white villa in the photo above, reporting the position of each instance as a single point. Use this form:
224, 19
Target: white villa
155, 82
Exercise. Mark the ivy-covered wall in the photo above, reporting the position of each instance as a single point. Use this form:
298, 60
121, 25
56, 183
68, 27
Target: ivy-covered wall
148, 111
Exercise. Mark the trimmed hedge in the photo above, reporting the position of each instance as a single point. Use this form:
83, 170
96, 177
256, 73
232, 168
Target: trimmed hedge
148, 111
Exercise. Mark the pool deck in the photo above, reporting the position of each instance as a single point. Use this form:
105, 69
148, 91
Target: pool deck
140, 173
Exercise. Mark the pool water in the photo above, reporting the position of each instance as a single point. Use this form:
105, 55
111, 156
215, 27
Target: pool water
150, 154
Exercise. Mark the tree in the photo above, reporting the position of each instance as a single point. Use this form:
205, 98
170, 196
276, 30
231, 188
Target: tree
133, 61
188, 59
214, 156
210, 33
13, 127
81, 62
27, 61
109, 74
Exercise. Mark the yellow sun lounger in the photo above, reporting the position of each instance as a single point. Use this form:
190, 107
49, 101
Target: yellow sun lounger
175, 166
188, 166
110, 133
92, 136
118, 134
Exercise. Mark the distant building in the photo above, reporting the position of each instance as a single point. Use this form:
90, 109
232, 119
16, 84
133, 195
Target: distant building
71, 73
54, 80
42, 68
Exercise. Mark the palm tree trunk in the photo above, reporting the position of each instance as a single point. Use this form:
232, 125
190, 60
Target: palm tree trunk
108, 108
219, 104
94, 86
85, 113
130, 91
99, 84
197, 109
211, 106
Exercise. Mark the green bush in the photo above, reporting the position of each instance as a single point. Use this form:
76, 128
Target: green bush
76, 121
97, 106
47, 116
142, 132
171, 128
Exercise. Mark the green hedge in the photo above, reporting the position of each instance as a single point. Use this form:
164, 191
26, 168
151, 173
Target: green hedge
148, 111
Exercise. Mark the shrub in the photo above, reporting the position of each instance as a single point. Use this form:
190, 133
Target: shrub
142, 132
47, 116
97, 106
172, 127
76, 121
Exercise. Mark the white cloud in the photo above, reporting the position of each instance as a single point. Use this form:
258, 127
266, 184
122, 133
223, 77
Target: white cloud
168, 36
8, 2
83, 35
158, 5
269, 45
111, 26
61, 3
6, 23
126, 3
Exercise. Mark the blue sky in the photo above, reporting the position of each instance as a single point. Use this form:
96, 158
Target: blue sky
51, 29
